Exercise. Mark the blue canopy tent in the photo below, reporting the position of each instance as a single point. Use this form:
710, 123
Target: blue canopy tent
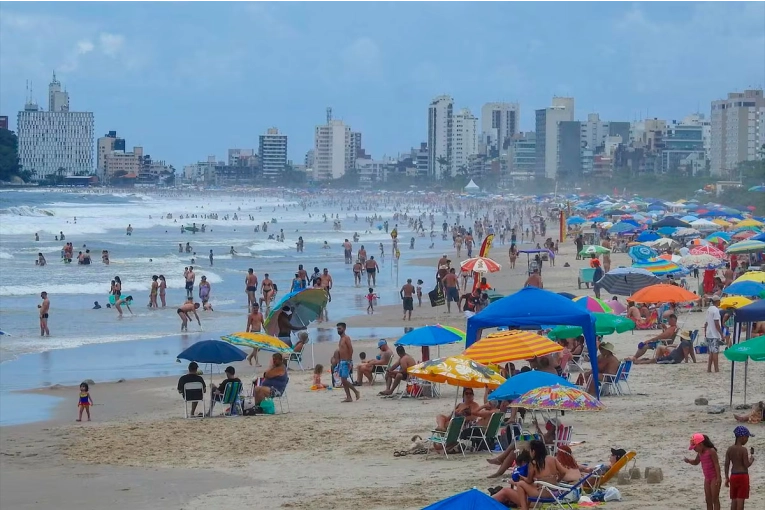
746, 315
535, 307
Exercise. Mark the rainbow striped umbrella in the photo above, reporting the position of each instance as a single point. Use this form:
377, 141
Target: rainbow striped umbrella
659, 267
454, 330
506, 346
593, 304
257, 341
558, 398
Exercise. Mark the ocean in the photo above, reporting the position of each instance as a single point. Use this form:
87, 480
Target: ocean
152, 337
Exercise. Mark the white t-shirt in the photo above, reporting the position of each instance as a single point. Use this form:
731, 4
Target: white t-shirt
713, 314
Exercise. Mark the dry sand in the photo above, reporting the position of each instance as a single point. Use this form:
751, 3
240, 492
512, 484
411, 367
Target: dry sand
139, 453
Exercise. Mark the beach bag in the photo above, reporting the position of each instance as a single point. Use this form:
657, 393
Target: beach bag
268, 406
437, 297
612, 494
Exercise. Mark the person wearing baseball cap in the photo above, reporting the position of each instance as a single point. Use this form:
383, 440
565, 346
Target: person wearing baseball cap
713, 333
378, 365
706, 455
737, 463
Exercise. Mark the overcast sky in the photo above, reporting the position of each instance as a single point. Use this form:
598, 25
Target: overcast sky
188, 80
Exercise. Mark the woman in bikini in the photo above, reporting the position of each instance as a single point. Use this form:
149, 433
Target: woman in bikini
267, 287
542, 468
162, 289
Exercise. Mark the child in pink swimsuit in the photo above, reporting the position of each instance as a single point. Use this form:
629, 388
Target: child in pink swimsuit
706, 455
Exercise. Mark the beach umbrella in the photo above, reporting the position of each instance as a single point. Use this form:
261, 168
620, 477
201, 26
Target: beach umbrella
621, 228
659, 267
458, 371
721, 222
746, 288
480, 265
666, 231
671, 221
558, 398
669, 257
685, 232
753, 276
430, 336
747, 246
642, 252
758, 237
307, 305
700, 261
707, 250
512, 345
598, 219
689, 219
593, 304
753, 349
743, 234
705, 225
749, 222
647, 235
454, 330
213, 352
605, 324
472, 499
259, 341
522, 383
734, 302
594, 249
663, 293
624, 281
757, 188
715, 237
575, 220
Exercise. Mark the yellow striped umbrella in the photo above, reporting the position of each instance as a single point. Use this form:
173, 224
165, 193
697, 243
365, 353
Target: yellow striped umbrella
505, 346
457, 371
734, 302
754, 276
257, 341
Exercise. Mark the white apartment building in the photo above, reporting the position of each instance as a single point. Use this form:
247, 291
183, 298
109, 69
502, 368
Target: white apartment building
738, 131
272, 150
201, 172
440, 126
499, 121
547, 120
123, 163
464, 139
331, 150
698, 119
372, 171
58, 138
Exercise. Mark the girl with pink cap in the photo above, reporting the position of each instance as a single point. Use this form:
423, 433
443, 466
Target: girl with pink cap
706, 455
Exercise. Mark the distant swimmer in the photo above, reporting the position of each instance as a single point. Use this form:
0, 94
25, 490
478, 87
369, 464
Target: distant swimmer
37, 237
123, 301
211, 257
180, 248
61, 236
44, 311
232, 251
40, 260
183, 312
96, 306
130, 229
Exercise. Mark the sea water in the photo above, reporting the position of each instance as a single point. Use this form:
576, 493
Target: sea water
152, 249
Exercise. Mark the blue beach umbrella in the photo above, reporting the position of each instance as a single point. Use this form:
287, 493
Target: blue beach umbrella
519, 384
745, 288
576, 220
216, 352
472, 499
428, 336
598, 219
625, 281
641, 253
647, 235
666, 231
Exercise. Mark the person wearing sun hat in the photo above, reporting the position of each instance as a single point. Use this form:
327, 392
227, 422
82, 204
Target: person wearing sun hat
737, 463
608, 364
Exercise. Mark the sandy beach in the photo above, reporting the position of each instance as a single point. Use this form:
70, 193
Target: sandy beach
140, 453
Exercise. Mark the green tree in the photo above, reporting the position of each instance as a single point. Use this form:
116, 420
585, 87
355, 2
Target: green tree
9, 155
442, 162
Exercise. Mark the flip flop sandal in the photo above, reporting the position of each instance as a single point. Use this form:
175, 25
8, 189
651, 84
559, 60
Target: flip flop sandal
419, 451
402, 453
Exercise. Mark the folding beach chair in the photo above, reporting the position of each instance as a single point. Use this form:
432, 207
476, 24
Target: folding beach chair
282, 398
560, 496
610, 383
490, 431
381, 370
450, 437
193, 392
297, 357
232, 398
602, 479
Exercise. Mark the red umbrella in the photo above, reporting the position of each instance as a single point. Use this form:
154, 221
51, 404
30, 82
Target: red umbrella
708, 250
744, 234
480, 265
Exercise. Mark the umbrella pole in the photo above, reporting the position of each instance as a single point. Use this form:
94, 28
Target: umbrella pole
746, 376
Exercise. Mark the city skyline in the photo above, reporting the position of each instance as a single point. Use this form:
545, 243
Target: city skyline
201, 94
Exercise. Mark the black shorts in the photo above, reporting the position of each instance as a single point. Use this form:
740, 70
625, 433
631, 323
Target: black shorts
251, 288
408, 304
371, 270
189, 285
179, 311
44, 316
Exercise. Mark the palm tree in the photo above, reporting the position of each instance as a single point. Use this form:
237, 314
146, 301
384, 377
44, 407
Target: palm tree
442, 161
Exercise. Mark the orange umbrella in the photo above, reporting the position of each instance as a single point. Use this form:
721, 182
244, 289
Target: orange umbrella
505, 346
663, 293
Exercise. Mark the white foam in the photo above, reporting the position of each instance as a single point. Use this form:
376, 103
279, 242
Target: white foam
270, 245
4, 255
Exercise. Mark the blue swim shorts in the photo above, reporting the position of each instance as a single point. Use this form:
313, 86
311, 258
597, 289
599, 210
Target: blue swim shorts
344, 369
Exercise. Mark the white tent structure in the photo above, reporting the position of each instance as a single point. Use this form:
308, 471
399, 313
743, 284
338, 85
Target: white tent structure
472, 186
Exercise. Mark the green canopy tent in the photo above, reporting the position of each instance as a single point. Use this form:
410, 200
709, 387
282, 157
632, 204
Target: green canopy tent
605, 324
753, 349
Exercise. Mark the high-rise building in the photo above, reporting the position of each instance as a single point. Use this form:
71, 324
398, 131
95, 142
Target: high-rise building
570, 143
464, 140
738, 131
331, 148
273, 153
683, 150
119, 163
353, 150
308, 160
521, 157
699, 119
440, 125
499, 121
55, 139
547, 120
105, 145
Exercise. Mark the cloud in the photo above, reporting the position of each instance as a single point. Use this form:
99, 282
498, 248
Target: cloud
111, 44
84, 47
362, 59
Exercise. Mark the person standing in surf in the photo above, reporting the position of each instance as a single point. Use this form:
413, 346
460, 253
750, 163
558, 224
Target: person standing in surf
251, 287
44, 310
183, 312
190, 277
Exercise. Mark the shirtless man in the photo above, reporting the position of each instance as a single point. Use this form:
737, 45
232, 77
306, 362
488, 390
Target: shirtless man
534, 280
372, 268
608, 364
190, 277
44, 309
268, 291
668, 335
185, 309
397, 372
326, 283
442, 261
728, 274
347, 247
407, 297
451, 289
346, 360
366, 368
362, 256
254, 325
357, 273
302, 276
606, 256
251, 286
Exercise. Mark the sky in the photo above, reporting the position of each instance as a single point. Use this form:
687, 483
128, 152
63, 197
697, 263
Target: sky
188, 80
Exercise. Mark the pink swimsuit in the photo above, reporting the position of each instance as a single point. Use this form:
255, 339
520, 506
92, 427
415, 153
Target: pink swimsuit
708, 466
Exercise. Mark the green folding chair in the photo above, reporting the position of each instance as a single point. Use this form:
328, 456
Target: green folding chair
233, 399
449, 437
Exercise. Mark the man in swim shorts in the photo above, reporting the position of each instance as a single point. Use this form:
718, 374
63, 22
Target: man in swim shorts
398, 372
44, 309
183, 312
345, 364
668, 335
451, 289
190, 277
372, 268
407, 297
251, 286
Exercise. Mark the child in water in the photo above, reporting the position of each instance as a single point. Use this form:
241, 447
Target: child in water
419, 292
85, 401
370, 299
317, 384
